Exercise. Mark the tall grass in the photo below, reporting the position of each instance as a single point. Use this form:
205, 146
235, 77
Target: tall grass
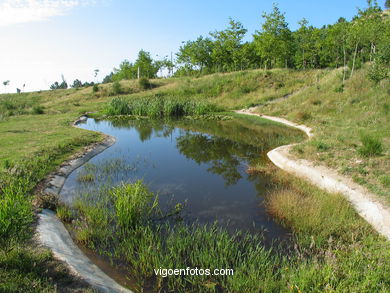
157, 106
143, 246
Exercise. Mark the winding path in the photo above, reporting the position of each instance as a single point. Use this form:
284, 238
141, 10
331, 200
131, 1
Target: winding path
365, 203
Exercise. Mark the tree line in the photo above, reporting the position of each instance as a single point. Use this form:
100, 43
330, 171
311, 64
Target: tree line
346, 44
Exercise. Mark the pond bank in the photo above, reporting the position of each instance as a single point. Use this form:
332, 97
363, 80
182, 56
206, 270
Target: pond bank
365, 203
52, 233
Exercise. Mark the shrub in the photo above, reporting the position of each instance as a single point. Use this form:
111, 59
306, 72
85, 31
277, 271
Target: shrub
95, 88
303, 116
116, 88
377, 72
38, 110
371, 146
144, 83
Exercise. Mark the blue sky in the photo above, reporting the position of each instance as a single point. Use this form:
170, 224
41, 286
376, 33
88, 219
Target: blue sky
42, 39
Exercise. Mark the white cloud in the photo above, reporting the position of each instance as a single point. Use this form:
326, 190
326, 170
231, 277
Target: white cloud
22, 11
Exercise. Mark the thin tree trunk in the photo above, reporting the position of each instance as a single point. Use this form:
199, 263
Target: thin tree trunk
354, 59
345, 64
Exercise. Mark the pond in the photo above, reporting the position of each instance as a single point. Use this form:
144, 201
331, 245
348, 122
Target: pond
202, 165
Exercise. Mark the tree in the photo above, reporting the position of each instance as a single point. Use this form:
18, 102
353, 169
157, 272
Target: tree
387, 4
108, 78
196, 54
275, 42
6, 83
146, 66
77, 84
96, 72
227, 46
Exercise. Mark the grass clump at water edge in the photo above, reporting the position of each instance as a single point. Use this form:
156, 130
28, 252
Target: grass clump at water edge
157, 106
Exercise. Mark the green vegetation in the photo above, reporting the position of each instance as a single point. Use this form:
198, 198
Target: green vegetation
332, 252
371, 146
157, 106
23, 266
350, 127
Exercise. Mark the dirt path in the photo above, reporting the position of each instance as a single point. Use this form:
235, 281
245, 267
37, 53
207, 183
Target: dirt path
365, 203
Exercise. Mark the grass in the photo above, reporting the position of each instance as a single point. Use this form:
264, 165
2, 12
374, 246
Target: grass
331, 253
158, 106
350, 127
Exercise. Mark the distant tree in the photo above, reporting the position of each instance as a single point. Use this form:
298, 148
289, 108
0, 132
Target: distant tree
77, 84
86, 84
275, 41
55, 86
18, 90
96, 72
108, 78
146, 66
387, 4
6, 83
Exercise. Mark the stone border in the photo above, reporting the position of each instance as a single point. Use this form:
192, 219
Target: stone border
365, 203
52, 233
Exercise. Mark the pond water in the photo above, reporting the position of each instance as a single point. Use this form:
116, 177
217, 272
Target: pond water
200, 164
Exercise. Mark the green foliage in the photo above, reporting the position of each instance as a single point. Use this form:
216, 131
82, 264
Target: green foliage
378, 72
144, 83
353, 43
274, 42
371, 146
38, 109
132, 204
77, 84
56, 85
64, 213
15, 214
116, 88
95, 88
157, 106
145, 66
118, 106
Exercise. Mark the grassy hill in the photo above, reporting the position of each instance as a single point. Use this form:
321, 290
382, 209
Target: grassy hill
352, 134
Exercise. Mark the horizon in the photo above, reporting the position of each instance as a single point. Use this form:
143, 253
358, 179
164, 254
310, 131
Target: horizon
41, 40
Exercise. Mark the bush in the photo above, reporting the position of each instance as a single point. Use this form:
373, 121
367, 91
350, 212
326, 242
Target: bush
95, 88
38, 110
371, 146
377, 72
303, 116
116, 88
144, 83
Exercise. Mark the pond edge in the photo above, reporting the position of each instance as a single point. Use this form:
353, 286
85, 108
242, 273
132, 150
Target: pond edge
367, 204
52, 233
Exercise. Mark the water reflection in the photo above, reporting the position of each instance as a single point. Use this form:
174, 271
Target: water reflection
202, 163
